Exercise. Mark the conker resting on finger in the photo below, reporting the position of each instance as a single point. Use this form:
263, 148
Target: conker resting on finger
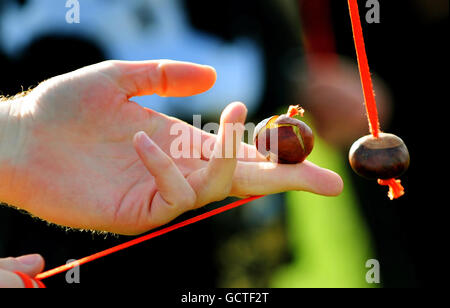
294, 139
385, 157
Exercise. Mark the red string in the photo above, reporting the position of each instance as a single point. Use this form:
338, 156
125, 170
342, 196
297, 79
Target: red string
144, 238
28, 282
40, 284
366, 79
395, 188
295, 110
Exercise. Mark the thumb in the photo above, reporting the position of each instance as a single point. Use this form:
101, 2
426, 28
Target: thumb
162, 77
30, 265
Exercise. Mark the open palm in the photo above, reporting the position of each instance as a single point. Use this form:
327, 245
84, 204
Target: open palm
91, 158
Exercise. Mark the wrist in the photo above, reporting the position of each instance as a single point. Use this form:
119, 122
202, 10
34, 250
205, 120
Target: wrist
12, 140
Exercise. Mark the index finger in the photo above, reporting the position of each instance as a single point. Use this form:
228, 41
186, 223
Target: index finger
247, 152
161, 77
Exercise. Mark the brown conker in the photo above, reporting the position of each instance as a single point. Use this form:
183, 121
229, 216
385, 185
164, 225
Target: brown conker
295, 139
385, 157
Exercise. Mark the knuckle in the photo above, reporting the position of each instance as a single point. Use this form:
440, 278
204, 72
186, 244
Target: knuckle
188, 200
108, 67
227, 189
183, 200
111, 68
109, 64
222, 193
162, 77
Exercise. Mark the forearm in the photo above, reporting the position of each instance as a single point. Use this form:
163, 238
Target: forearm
11, 142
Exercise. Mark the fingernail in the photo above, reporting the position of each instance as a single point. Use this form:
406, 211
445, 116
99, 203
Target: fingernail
144, 140
29, 259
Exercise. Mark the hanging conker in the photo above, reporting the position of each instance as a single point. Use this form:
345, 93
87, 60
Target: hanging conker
295, 139
385, 157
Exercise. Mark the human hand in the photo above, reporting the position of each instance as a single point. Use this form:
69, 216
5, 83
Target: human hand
80, 159
30, 265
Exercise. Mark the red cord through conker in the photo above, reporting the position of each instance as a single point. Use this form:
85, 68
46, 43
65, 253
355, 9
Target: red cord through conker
385, 157
294, 139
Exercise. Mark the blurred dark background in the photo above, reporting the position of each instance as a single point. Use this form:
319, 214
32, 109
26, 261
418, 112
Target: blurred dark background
244, 247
